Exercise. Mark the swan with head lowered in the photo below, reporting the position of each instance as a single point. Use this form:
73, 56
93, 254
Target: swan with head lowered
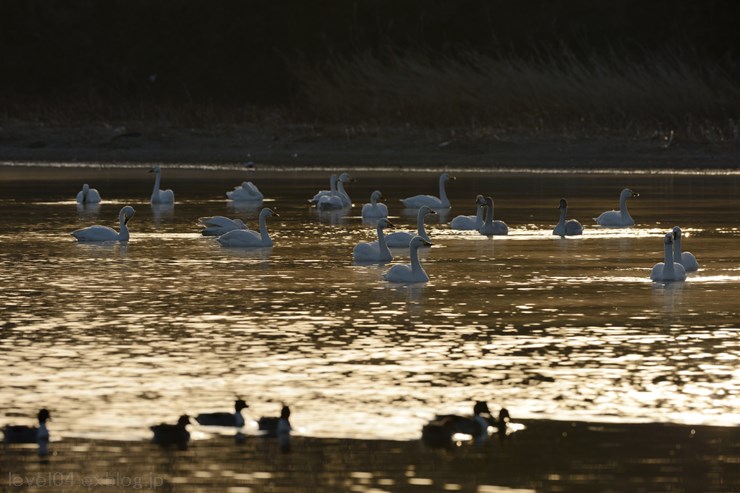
668, 270
246, 192
569, 227
375, 251
88, 195
441, 202
338, 200
687, 259
620, 218
249, 238
470, 223
375, 209
104, 233
413, 272
219, 225
491, 227
160, 196
402, 239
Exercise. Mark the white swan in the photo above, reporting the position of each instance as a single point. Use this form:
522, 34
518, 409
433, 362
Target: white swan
441, 202
104, 233
402, 239
468, 223
88, 195
249, 238
376, 251
332, 190
491, 227
571, 227
668, 270
687, 259
219, 225
620, 218
409, 273
246, 192
160, 196
338, 200
374, 210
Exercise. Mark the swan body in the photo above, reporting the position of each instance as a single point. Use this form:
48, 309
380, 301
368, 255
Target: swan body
249, 238
376, 251
491, 227
104, 233
668, 270
223, 418
569, 227
402, 239
160, 196
687, 259
413, 272
219, 225
332, 189
441, 202
88, 195
620, 218
167, 434
246, 192
374, 209
337, 200
470, 223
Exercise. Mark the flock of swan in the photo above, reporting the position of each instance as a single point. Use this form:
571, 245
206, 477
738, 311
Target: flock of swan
234, 233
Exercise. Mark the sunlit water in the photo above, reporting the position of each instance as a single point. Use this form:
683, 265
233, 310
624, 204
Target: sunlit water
114, 338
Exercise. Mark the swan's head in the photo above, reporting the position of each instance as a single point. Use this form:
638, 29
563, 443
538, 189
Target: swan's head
445, 177
344, 178
627, 193
183, 421
481, 407
155, 169
385, 223
268, 212
668, 238
285, 412
480, 200
418, 241
424, 210
85, 188
563, 204
127, 213
240, 404
489, 201
676, 232
376, 196
44, 415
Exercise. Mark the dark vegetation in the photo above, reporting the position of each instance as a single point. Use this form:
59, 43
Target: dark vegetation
626, 67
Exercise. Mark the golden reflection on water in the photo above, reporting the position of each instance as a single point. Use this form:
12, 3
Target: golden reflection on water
116, 337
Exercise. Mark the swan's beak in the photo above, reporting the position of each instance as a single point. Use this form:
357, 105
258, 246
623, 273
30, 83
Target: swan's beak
427, 243
127, 218
275, 214
635, 194
432, 212
151, 170
391, 225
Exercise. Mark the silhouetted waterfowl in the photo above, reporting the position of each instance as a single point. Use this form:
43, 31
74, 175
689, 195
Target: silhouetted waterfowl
220, 225
441, 202
223, 418
687, 259
439, 432
337, 200
569, 227
491, 227
402, 239
374, 251
88, 195
246, 192
160, 196
375, 209
413, 272
167, 434
277, 427
248, 238
470, 223
620, 218
332, 190
30, 434
99, 233
668, 270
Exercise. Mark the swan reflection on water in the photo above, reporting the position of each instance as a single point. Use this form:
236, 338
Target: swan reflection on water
162, 212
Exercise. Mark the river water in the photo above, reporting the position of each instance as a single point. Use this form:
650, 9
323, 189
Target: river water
116, 337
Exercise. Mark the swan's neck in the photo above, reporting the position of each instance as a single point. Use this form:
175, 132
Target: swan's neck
156, 183
415, 263
373, 201
479, 215
263, 229
489, 213
563, 211
340, 189
123, 234
442, 192
333, 183
421, 231
677, 249
623, 207
382, 245
668, 261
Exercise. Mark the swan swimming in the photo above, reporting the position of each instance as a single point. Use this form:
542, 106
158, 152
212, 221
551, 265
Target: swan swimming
571, 227
430, 200
246, 192
332, 189
469, 223
409, 273
339, 199
668, 270
376, 251
249, 238
160, 196
687, 259
374, 210
620, 218
104, 233
219, 225
88, 195
491, 227
402, 239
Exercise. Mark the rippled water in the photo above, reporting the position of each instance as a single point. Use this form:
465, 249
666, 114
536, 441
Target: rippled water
114, 338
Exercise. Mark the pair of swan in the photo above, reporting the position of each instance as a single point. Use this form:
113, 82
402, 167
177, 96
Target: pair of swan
668, 270
336, 197
248, 238
441, 202
104, 233
491, 227
375, 209
470, 223
570, 227
88, 195
160, 196
374, 251
219, 225
620, 218
687, 259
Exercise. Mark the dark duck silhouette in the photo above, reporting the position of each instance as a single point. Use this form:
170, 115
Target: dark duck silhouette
224, 419
167, 434
439, 432
269, 424
30, 434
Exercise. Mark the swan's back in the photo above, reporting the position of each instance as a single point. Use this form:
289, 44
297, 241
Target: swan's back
418, 201
246, 191
241, 238
689, 262
498, 228
399, 273
613, 218
465, 223
96, 233
163, 197
373, 211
